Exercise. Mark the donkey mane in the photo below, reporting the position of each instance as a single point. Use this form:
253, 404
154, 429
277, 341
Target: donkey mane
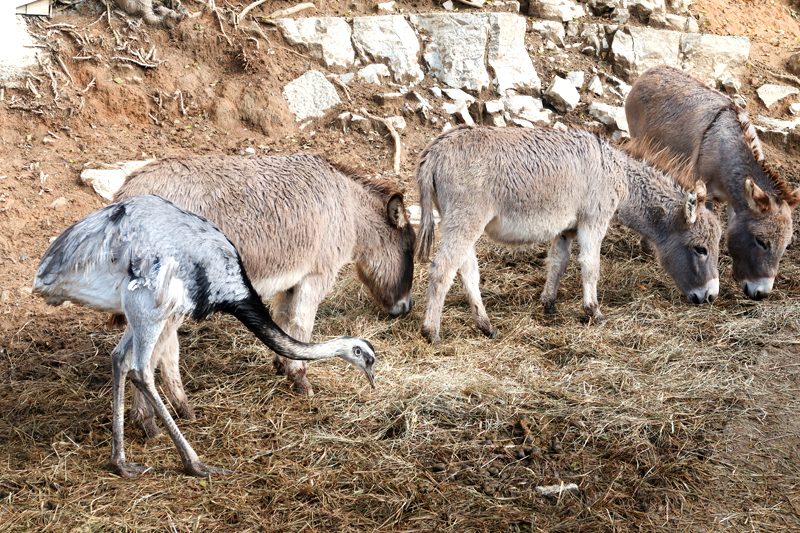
781, 189
673, 165
377, 186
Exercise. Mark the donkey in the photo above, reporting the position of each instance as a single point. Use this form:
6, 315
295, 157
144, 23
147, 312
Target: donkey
295, 220
676, 111
523, 186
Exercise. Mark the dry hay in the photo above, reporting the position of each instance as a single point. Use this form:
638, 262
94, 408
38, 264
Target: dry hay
669, 417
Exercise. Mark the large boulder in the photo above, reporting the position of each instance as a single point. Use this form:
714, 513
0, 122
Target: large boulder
456, 50
712, 58
16, 52
391, 41
325, 39
310, 95
507, 56
560, 10
635, 50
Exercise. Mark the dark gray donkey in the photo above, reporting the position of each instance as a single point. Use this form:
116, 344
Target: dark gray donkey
672, 109
523, 186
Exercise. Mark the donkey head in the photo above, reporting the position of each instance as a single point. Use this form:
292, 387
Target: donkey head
387, 268
758, 236
689, 249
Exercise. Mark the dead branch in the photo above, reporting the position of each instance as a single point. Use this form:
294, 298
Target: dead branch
281, 13
222, 29
246, 10
393, 132
136, 61
64, 67
471, 3
336, 80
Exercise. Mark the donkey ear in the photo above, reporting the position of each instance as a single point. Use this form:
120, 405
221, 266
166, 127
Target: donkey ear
757, 199
396, 211
690, 207
794, 199
701, 191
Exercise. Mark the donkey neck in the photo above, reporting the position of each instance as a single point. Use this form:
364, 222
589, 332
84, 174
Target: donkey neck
726, 160
652, 199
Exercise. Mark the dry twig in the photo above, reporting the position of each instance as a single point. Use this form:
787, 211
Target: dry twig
393, 132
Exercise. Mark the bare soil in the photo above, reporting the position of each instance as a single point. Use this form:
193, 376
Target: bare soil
668, 417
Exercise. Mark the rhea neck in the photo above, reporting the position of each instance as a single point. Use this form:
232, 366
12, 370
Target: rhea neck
255, 316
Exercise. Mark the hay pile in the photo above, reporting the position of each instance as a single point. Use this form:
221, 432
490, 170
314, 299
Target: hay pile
668, 417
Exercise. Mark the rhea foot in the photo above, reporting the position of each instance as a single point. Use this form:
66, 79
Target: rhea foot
202, 470
130, 470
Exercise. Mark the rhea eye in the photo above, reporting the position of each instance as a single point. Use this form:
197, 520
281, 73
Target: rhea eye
761, 244
701, 250
357, 351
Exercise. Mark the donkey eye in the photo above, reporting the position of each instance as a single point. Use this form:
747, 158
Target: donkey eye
701, 250
761, 244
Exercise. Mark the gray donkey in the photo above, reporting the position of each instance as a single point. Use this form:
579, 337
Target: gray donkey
296, 220
523, 186
674, 110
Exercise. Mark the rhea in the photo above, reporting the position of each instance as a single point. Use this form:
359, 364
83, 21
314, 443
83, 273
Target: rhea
153, 262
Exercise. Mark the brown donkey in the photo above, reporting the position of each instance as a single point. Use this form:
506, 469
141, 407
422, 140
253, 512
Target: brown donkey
295, 220
523, 186
674, 110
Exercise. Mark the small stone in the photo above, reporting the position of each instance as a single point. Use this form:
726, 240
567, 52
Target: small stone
436, 91
374, 73
493, 470
770, 93
347, 77
250, 150
398, 123
794, 109
439, 467
448, 6
575, 78
730, 85
386, 8
58, 203
595, 85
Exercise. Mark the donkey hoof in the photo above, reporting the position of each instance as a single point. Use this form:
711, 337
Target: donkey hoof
277, 366
431, 336
550, 308
301, 386
184, 410
489, 331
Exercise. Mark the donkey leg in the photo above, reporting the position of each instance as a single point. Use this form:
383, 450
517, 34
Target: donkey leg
455, 247
470, 278
557, 261
590, 240
297, 320
281, 303
171, 372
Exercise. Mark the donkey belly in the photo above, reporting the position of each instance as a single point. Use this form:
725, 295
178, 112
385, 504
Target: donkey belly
528, 230
269, 286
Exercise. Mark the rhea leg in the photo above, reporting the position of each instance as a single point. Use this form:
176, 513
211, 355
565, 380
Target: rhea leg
470, 278
295, 311
557, 261
120, 364
166, 356
147, 328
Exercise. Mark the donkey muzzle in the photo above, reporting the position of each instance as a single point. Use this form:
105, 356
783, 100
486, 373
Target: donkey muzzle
402, 307
706, 293
757, 289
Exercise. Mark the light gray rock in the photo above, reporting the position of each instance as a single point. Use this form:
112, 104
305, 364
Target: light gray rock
769, 93
398, 123
523, 123
374, 73
740, 100
527, 108
793, 64
634, 50
106, 182
643, 9
436, 91
325, 39
679, 7
310, 95
507, 56
794, 109
730, 85
16, 56
620, 15
459, 109
561, 10
601, 7
576, 78
389, 40
562, 95
457, 47
347, 77
458, 95
712, 58
549, 30
595, 85
386, 8
668, 21
494, 107
609, 115
778, 125
448, 6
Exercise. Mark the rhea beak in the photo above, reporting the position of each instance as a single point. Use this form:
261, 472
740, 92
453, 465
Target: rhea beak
370, 376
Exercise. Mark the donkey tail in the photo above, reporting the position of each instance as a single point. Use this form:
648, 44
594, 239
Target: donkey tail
426, 191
